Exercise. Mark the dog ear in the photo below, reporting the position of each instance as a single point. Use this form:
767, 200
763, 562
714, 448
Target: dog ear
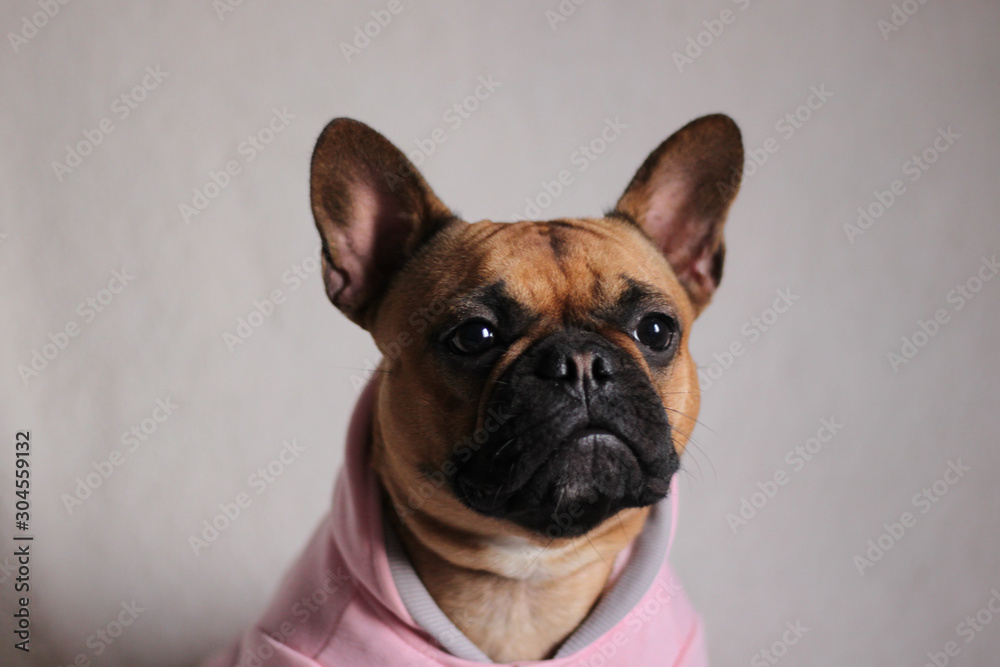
373, 210
680, 196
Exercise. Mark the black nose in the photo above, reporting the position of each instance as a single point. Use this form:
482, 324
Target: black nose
578, 360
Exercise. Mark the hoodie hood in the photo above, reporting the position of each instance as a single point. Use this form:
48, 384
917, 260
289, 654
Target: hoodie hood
354, 600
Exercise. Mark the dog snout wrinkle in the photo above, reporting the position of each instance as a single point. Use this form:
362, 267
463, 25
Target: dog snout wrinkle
589, 435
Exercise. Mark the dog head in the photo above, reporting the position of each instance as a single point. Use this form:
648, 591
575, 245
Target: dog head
536, 378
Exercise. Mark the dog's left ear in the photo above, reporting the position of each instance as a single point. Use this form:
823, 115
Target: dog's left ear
680, 197
373, 210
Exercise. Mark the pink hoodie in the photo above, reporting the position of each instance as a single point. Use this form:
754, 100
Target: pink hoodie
341, 604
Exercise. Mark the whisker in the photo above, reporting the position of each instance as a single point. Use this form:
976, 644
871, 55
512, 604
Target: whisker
694, 419
579, 556
562, 494
595, 550
497, 453
537, 556
697, 447
618, 515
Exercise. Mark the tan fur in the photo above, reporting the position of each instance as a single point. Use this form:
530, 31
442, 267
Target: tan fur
397, 262
514, 603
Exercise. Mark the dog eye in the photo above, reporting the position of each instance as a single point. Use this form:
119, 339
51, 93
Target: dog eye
656, 331
473, 337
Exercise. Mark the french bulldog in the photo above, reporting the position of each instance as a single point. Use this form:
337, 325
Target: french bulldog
533, 403
570, 336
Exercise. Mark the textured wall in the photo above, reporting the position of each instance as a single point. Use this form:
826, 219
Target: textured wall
888, 88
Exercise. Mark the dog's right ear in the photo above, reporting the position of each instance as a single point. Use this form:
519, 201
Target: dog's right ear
373, 210
680, 197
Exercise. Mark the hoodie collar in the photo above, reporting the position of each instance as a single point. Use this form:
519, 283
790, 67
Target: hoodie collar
375, 556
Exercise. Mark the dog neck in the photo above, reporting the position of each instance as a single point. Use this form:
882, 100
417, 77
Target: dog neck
515, 598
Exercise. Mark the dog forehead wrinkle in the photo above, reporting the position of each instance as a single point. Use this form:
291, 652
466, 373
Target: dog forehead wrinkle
551, 268
569, 270
558, 244
638, 293
561, 235
495, 299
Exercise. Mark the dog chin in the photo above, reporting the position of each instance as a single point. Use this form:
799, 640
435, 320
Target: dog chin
589, 477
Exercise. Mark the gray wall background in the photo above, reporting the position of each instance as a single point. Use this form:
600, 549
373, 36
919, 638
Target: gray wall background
887, 97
